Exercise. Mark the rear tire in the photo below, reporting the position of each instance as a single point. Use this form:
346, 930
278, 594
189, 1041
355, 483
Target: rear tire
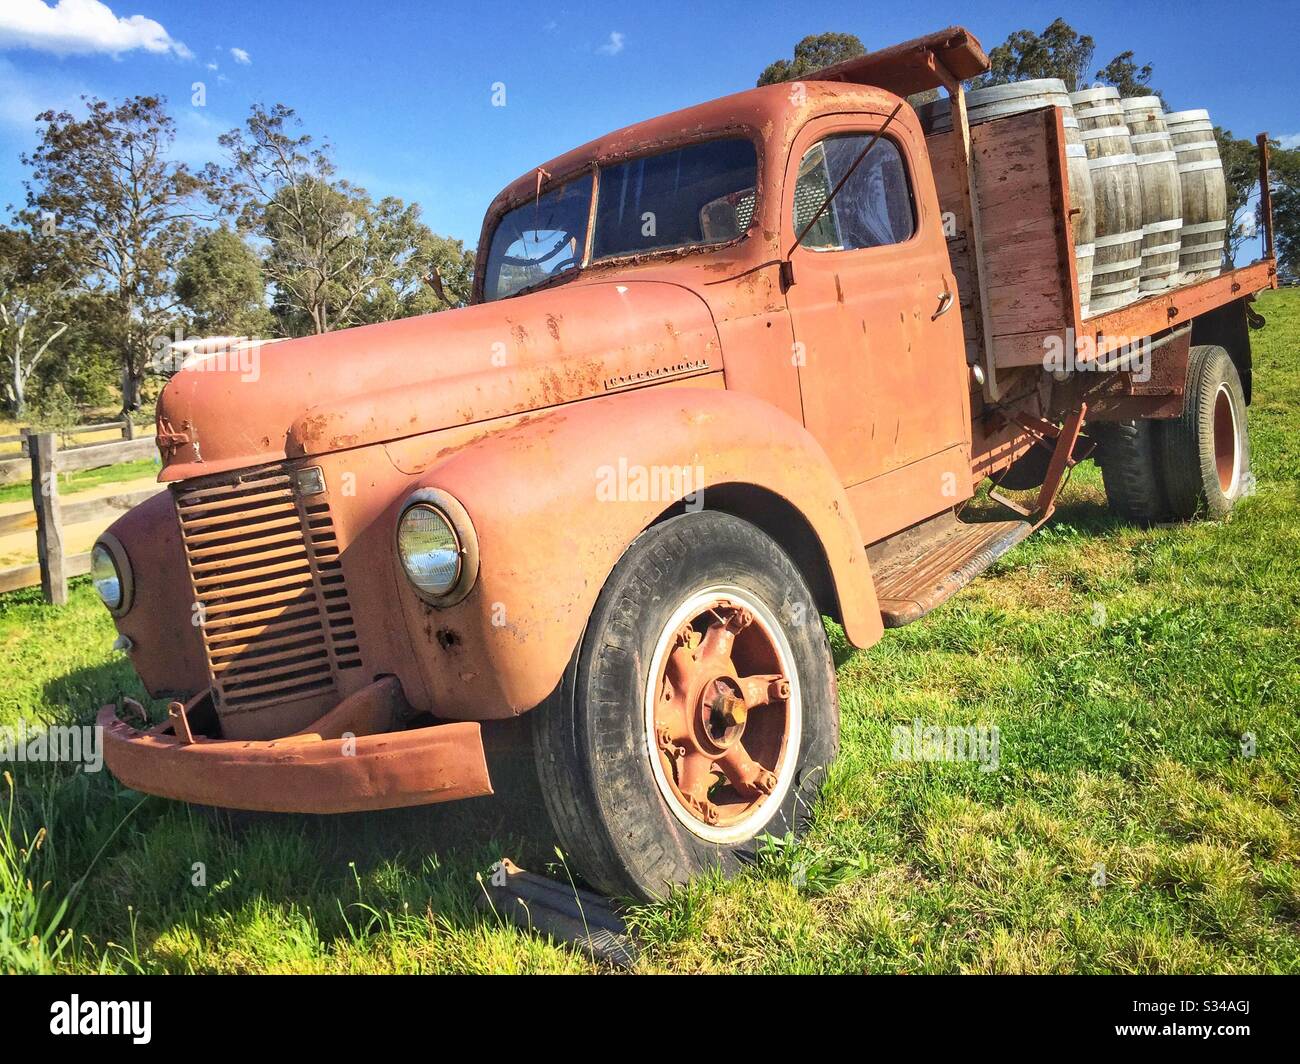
1205, 451
695, 604
1128, 456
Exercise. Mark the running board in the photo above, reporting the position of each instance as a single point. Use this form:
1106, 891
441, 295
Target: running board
927, 564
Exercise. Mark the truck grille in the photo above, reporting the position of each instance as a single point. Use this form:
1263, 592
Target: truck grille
275, 618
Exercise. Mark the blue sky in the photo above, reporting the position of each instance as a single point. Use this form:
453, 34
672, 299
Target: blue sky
404, 89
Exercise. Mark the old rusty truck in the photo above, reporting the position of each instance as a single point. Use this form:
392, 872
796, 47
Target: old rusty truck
724, 373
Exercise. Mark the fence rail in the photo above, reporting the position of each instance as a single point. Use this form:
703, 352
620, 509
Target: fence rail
30, 575
54, 566
15, 468
75, 513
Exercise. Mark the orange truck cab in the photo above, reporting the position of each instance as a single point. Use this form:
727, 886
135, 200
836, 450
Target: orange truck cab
724, 372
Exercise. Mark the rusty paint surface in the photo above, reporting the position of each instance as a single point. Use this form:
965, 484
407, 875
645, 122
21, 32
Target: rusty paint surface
410, 377
884, 380
1179, 305
548, 540
315, 771
166, 649
670, 359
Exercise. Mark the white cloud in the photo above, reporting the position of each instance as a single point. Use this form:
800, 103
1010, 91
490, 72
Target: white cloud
81, 27
241, 57
612, 46
212, 66
1289, 140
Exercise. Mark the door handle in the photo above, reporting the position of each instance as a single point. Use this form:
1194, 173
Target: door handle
945, 305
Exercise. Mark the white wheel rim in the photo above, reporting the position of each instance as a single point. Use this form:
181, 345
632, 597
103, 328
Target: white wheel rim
752, 822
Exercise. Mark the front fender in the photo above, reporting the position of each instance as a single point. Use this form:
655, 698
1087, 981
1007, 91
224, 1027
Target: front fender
550, 530
166, 647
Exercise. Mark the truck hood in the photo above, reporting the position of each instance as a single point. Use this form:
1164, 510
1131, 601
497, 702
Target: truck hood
289, 399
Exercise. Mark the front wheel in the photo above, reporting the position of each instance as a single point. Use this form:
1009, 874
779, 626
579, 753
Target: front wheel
699, 712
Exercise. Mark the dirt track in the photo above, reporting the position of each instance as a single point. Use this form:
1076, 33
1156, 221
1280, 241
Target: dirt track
19, 548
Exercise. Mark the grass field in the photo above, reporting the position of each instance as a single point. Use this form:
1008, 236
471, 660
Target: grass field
1125, 829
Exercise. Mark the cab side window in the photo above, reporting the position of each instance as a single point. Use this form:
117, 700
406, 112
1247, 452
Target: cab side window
875, 207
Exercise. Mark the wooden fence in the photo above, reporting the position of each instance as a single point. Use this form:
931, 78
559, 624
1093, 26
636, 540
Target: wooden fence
44, 461
15, 468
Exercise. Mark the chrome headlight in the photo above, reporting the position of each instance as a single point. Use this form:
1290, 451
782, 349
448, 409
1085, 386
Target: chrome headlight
110, 572
437, 547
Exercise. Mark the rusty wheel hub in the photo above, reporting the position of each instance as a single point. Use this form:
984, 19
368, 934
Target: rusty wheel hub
1227, 444
723, 714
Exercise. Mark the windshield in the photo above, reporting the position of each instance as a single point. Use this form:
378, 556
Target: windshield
539, 239
695, 195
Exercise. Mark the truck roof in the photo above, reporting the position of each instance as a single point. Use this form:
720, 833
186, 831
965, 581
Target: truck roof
913, 66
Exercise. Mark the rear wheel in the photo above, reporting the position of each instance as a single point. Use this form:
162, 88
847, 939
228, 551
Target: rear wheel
1205, 451
1128, 456
698, 714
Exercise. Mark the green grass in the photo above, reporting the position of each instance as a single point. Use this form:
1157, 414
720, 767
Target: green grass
71, 483
1120, 749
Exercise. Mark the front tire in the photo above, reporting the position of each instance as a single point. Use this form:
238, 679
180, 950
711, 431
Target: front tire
699, 712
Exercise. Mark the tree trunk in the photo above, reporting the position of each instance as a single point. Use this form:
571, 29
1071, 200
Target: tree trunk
131, 381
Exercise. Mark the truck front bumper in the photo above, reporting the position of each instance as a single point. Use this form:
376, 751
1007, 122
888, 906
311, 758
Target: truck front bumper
349, 760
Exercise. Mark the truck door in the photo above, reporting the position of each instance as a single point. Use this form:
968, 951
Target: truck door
878, 336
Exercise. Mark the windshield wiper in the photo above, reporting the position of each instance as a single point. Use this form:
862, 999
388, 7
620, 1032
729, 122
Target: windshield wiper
545, 282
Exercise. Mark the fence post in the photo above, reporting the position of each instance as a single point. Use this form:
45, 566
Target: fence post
128, 427
49, 525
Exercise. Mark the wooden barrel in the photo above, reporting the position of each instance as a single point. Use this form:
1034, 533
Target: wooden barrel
1144, 114
1083, 214
1014, 98
1162, 197
1117, 196
1204, 193
1097, 108
1083, 259
935, 116
997, 101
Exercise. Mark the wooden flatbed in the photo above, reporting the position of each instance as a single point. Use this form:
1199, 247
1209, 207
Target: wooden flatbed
1017, 281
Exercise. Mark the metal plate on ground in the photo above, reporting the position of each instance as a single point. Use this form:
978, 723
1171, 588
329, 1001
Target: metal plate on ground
561, 910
